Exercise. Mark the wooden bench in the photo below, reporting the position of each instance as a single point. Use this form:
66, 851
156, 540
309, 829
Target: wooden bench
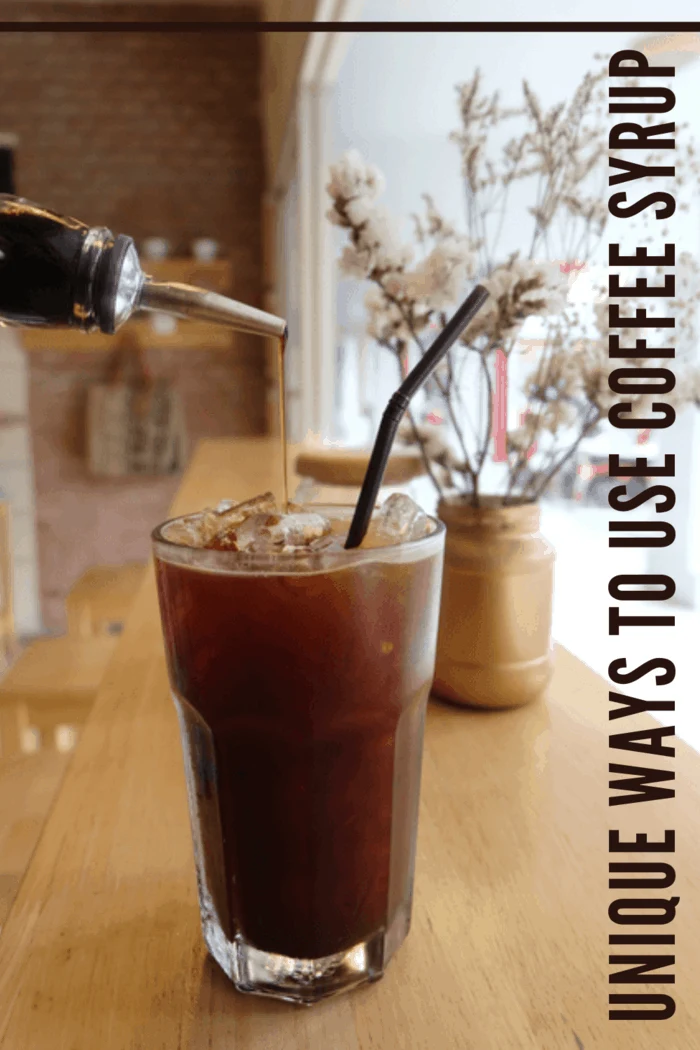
45, 698
99, 602
51, 684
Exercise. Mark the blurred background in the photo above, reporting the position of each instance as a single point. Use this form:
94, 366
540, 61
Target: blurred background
394, 99
212, 150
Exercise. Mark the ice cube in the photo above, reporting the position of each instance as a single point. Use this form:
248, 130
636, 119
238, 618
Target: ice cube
306, 491
247, 536
254, 532
323, 543
226, 541
185, 532
297, 530
208, 524
231, 515
400, 519
264, 532
195, 530
221, 527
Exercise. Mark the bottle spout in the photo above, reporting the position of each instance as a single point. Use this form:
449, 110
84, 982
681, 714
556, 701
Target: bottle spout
184, 300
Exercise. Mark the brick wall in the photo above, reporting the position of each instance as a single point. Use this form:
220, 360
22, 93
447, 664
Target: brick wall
152, 134
81, 522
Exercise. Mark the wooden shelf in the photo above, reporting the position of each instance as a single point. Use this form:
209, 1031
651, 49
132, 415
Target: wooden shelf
216, 275
188, 335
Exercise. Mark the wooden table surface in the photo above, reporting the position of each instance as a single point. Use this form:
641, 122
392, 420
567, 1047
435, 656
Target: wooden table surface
508, 949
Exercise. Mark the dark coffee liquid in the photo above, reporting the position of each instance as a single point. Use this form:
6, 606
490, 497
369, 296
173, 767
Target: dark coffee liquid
302, 702
39, 254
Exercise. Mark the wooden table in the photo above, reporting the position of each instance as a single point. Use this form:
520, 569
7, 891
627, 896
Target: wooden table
508, 950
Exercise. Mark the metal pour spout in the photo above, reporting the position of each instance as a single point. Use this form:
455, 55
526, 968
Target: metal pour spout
184, 300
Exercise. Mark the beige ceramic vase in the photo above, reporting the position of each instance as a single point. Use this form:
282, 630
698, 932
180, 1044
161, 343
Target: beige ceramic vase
494, 647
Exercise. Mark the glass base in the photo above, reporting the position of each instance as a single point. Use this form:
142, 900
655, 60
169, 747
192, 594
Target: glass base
303, 981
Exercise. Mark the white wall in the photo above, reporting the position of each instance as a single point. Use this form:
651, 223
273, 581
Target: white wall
17, 482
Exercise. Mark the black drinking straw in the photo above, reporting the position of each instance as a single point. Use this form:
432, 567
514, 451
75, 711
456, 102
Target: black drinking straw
398, 405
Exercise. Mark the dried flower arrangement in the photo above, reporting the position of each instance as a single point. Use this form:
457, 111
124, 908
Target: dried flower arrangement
414, 287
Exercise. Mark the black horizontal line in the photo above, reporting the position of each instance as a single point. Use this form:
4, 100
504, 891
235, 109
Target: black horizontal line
343, 27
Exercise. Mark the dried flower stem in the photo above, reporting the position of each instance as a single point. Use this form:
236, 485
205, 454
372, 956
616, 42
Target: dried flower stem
544, 482
560, 151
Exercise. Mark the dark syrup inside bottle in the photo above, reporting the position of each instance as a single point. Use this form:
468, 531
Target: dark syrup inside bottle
39, 254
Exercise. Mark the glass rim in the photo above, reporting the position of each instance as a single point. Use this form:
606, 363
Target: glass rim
242, 562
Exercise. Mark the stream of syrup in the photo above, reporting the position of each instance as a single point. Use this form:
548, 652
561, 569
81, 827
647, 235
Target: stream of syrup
281, 347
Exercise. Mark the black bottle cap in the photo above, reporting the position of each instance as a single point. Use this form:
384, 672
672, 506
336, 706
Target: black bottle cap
107, 281
7, 169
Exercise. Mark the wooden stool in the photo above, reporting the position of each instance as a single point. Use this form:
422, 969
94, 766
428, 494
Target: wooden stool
51, 685
335, 475
348, 466
44, 698
99, 602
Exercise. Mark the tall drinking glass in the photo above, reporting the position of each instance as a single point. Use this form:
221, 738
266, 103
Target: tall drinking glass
301, 685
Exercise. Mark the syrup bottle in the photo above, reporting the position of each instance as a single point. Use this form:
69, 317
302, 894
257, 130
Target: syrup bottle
59, 272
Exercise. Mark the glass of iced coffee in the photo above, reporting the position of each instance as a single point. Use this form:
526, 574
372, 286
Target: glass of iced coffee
300, 673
